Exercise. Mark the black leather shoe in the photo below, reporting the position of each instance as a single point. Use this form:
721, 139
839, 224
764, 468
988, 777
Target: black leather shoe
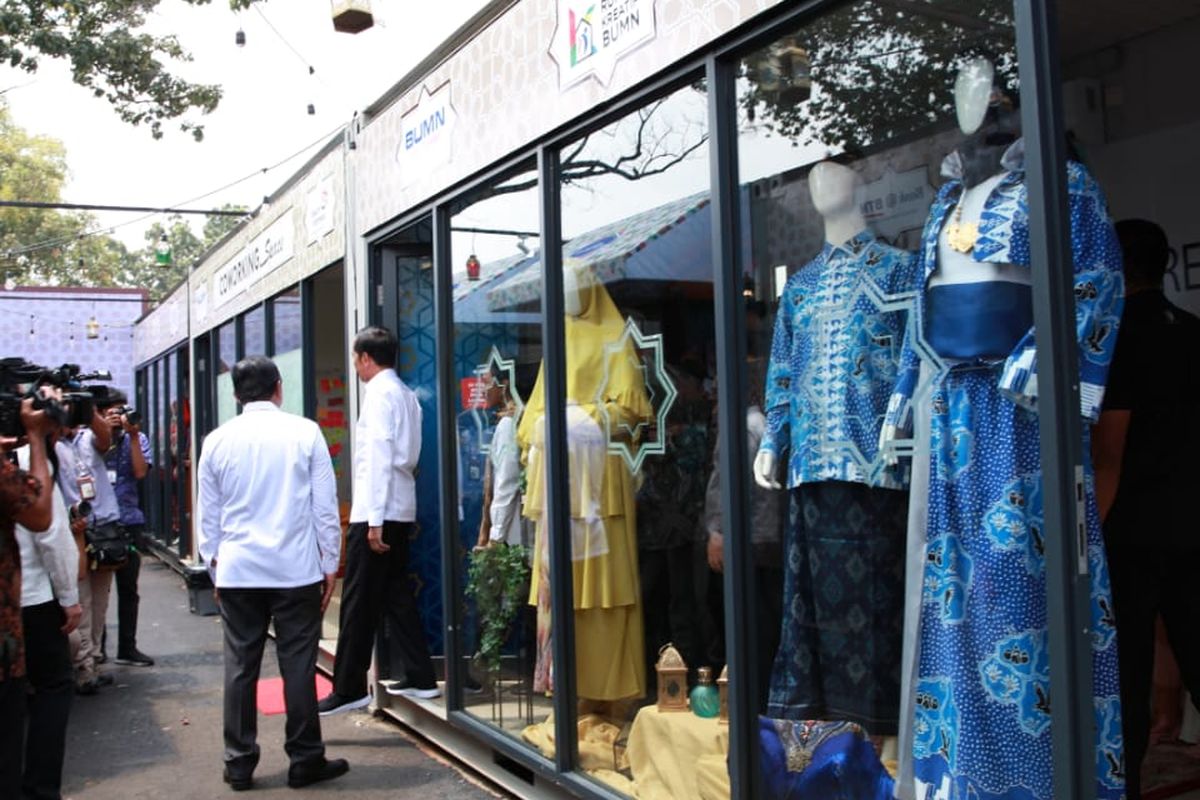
327, 769
238, 784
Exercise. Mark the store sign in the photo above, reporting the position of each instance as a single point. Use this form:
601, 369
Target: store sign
897, 202
268, 250
426, 134
318, 210
592, 35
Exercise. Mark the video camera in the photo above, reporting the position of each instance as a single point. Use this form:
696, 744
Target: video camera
20, 379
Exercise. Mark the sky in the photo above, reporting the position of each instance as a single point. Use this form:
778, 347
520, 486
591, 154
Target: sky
262, 118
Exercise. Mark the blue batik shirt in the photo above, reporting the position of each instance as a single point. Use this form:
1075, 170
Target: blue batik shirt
834, 356
1004, 238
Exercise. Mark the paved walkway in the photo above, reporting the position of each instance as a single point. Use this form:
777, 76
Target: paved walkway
156, 733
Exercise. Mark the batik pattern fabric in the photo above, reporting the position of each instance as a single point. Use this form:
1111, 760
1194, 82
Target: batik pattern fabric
820, 760
839, 650
17, 492
981, 726
833, 365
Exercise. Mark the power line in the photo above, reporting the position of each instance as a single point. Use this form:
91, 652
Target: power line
51, 243
93, 207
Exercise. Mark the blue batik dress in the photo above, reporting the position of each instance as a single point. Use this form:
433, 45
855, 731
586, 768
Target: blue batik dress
981, 726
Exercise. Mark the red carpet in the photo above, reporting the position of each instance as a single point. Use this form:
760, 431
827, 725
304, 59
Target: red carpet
270, 693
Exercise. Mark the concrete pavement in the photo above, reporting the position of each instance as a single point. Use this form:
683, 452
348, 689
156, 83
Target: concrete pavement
156, 733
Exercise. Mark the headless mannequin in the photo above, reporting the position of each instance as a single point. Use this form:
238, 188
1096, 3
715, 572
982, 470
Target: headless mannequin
832, 189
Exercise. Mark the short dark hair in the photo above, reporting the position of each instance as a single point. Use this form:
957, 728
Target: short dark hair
1145, 250
379, 343
255, 379
113, 397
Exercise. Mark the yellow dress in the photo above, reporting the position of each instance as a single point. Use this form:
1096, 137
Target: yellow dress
609, 646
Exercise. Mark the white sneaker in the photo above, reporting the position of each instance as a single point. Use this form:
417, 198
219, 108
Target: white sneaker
399, 689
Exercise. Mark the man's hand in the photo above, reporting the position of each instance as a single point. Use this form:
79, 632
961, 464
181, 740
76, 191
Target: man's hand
327, 593
716, 551
375, 539
71, 617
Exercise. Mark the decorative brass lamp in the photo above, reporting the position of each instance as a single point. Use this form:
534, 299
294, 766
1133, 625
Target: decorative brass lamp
723, 688
672, 679
352, 16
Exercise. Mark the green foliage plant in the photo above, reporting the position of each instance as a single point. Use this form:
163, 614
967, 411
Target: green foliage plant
498, 582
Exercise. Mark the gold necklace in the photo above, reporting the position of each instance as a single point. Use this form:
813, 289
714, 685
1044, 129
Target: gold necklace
961, 235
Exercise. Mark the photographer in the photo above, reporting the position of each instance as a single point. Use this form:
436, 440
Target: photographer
128, 461
25, 500
83, 479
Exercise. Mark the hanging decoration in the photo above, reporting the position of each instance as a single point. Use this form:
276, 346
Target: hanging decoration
162, 252
352, 16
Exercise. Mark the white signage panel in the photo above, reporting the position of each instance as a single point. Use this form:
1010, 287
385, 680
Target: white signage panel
592, 35
426, 135
268, 250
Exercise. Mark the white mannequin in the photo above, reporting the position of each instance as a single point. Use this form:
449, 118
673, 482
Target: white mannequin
832, 187
574, 281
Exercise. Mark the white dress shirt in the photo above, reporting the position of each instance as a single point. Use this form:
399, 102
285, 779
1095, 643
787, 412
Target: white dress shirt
50, 559
268, 501
387, 445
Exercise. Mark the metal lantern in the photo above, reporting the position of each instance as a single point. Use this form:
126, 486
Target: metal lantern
723, 688
672, 679
352, 16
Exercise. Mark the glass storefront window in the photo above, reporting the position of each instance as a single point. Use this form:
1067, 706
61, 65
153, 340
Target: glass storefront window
896, 505
226, 357
640, 383
288, 354
254, 326
497, 351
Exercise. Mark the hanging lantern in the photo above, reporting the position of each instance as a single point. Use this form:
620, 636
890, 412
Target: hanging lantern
162, 252
93, 328
352, 16
473, 267
239, 38
672, 680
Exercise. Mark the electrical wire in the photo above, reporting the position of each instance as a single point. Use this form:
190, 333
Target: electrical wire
109, 229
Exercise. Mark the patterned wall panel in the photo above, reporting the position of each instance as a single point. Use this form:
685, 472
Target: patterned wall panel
49, 327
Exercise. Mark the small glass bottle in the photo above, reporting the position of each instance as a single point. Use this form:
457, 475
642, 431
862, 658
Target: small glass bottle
704, 698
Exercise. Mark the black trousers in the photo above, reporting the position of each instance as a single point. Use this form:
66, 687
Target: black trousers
51, 680
127, 596
1147, 582
246, 614
12, 736
377, 588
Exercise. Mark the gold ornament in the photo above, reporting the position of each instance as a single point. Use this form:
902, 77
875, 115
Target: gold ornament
960, 235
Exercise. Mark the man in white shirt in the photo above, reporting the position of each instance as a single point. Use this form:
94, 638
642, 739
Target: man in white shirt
270, 534
387, 446
50, 610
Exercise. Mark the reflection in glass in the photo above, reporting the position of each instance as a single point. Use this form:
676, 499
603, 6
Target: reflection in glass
226, 358
254, 326
902, 328
640, 381
497, 348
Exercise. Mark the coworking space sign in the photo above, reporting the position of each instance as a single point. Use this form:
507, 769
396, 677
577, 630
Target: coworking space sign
592, 35
265, 252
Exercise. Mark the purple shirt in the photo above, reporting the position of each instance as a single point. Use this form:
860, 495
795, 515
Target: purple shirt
120, 466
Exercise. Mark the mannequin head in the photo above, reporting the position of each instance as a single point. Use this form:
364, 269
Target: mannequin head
988, 117
832, 188
577, 279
